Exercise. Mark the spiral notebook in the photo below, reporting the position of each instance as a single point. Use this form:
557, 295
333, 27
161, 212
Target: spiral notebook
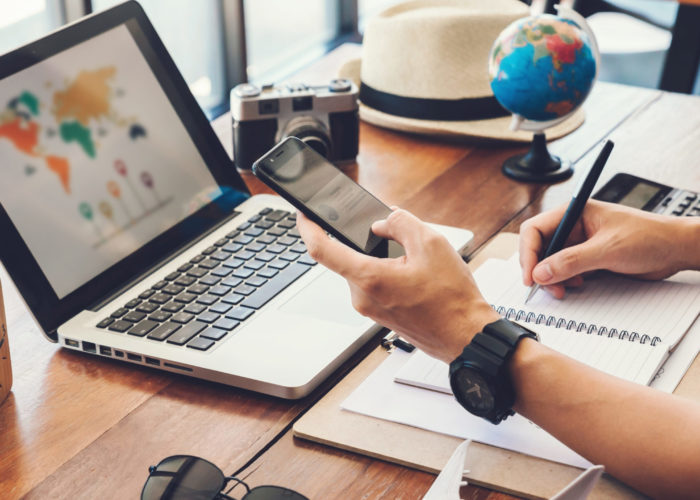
622, 326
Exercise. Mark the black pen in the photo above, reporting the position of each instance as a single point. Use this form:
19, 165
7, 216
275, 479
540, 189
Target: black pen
575, 208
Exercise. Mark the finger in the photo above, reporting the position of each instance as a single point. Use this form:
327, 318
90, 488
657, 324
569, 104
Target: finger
556, 291
330, 252
404, 228
567, 263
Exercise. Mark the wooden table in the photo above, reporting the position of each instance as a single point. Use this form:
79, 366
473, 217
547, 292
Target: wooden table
79, 426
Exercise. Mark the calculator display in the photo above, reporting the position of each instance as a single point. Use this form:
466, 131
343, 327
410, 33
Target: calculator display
639, 195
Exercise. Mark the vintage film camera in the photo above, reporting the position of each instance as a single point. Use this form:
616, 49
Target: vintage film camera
325, 117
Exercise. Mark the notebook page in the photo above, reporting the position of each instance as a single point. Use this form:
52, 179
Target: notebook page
632, 361
661, 309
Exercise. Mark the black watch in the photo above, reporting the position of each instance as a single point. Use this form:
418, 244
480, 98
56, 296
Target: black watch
479, 377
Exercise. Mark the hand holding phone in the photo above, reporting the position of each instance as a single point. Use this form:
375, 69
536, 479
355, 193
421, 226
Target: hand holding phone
324, 194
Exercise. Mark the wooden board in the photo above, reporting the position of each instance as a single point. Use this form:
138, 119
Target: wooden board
492, 467
5, 363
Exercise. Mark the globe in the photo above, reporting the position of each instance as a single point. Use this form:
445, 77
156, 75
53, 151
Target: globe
542, 67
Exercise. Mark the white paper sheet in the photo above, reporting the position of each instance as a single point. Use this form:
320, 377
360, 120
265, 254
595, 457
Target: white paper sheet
379, 396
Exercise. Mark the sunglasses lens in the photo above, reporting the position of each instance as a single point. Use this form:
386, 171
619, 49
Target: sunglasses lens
183, 478
273, 493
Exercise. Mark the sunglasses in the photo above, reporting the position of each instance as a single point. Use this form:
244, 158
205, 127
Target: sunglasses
184, 477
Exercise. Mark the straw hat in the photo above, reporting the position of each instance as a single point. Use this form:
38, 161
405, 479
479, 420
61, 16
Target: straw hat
424, 69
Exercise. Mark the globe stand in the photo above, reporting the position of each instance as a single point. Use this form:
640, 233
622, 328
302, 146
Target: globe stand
537, 165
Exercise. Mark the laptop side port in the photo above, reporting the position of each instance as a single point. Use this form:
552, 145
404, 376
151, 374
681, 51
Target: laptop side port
177, 367
89, 347
72, 343
118, 354
133, 357
105, 351
152, 361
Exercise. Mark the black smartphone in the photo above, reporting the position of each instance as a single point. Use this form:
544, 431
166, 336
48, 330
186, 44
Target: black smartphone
324, 194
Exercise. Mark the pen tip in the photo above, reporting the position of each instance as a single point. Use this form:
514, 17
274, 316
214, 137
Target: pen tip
533, 290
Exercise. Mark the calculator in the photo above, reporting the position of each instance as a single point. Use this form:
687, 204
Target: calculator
636, 192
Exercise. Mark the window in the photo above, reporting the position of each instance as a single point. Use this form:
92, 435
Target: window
23, 21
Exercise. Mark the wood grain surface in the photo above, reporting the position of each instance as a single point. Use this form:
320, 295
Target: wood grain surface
79, 426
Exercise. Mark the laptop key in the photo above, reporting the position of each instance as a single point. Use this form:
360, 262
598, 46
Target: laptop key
266, 239
305, 259
256, 281
172, 276
243, 239
231, 281
209, 264
134, 316
209, 250
294, 233
265, 256
219, 290
132, 303
172, 307
197, 272
243, 226
233, 263
276, 231
232, 234
201, 344
277, 215
173, 289
198, 289
182, 317
255, 247
221, 272
243, 273
254, 232
245, 255
268, 272
265, 211
265, 224
253, 264
160, 298
287, 224
245, 289
274, 286
185, 267
160, 316
232, 247
185, 280
208, 317
147, 307
286, 240
220, 255
195, 308
107, 321
197, 259
220, 308
143, 328
215, 333
276, 248
119, 312
232, 298
184, 334
146, 293
290, 256
299, 247
278, 264
164, 331
160, 285
207, 299
220, 242
226, 324
255, 218
210, 280
120, 326
185, 297
239, 313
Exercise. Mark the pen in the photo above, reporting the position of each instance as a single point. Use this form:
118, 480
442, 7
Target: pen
575, 208
393, 339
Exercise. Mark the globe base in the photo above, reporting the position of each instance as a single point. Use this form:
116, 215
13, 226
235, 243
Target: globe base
537, 165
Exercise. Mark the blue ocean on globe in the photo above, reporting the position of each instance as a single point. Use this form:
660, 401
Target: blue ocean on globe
542, 67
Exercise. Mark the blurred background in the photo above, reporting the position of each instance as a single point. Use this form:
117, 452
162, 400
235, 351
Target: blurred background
220, 43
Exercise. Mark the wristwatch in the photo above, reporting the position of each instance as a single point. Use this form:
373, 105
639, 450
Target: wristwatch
479, 377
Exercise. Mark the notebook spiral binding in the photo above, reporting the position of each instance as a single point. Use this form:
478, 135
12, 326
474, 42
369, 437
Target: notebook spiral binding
590, 329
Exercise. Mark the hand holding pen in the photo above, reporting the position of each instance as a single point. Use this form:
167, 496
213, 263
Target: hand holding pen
575, 209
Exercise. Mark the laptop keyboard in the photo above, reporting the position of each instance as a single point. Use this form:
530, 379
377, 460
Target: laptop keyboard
208, 297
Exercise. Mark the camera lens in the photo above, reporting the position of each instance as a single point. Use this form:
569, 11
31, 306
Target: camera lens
311, 131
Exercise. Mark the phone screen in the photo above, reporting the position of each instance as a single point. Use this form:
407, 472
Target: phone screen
331, 195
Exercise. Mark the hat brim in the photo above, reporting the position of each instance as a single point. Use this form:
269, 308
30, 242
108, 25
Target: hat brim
492, 129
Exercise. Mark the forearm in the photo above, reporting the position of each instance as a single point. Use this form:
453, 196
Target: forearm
646, 438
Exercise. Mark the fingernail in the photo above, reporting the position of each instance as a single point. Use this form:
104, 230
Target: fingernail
542, 273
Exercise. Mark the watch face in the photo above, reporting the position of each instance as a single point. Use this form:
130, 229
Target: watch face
474, 392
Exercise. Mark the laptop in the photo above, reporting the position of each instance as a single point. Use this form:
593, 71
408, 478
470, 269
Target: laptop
129, 233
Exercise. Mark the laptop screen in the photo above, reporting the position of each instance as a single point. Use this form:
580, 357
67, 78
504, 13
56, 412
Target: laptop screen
96, 162
106, 162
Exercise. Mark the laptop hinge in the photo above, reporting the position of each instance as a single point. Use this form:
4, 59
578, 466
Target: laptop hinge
167, 258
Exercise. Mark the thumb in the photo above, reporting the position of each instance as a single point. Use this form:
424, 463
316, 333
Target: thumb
567, 263
404, 228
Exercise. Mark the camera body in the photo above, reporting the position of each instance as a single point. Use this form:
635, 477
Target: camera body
325, 117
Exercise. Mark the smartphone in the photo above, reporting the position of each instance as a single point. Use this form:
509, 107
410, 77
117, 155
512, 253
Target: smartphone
324, 194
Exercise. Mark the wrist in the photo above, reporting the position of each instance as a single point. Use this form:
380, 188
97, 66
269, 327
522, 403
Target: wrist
687, 234
472, 323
